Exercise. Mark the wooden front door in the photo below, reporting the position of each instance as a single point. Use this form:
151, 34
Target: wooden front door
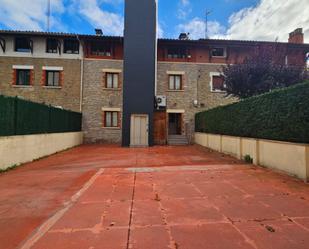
139, 130
174, 123
160, 125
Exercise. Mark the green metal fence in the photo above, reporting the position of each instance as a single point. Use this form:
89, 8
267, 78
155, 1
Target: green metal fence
22, 117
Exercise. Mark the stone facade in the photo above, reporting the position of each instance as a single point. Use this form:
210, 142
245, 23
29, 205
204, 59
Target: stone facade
196, 87
196, 81
195, 62
96, 97
68, 96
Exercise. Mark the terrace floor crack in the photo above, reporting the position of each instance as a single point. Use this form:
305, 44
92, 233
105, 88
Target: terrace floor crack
131, 212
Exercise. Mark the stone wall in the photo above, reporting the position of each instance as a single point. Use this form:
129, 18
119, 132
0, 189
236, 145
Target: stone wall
68, 96
196, 87
96, 97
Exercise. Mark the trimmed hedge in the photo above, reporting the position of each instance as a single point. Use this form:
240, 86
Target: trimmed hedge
22, 117
279, 115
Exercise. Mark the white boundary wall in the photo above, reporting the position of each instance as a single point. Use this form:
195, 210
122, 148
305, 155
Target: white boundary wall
15, 150
292, 158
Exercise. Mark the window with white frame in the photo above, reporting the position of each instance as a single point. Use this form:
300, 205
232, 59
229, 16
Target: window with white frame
217, 82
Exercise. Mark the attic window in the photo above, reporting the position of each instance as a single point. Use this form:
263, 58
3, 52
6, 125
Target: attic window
100, 49
177, 53
218, 52
71, 46
23, 44
52, 45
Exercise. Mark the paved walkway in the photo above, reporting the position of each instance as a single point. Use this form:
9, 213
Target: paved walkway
162, 197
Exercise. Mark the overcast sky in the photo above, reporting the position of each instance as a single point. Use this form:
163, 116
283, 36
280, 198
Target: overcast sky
229, 19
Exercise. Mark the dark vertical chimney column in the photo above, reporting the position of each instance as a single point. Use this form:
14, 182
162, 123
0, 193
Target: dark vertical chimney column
140, 52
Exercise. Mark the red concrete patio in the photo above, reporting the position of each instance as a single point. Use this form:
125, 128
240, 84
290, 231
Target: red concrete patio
162, 197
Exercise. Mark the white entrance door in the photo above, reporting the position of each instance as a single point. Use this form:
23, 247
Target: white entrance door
139, 130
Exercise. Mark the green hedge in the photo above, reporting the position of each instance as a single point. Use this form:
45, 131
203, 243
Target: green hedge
279, 115
22, 117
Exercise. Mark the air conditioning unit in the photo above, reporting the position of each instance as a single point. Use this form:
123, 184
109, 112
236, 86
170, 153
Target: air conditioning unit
161, 101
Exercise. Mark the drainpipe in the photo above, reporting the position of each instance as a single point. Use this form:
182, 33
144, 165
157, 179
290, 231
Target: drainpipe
81, 76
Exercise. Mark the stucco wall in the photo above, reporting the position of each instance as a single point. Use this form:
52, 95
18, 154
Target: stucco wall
291, 158
15, 150
39, 49
231, 146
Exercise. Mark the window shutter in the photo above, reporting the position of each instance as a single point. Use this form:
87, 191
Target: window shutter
61, 78
103, 119
119, 81
119, 119
31, 77
14, 77
43, 80
104, 78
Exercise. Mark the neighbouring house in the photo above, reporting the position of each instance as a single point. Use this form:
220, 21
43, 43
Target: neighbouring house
86, 73
42, 67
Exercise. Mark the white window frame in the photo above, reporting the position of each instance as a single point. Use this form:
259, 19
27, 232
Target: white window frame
211, 74
23, 67
47, 68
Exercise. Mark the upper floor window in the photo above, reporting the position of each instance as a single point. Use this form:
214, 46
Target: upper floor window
175, 82
23, 44
177, 53
218, 52
52, 78
52, 45
112, 80
23, 77
71, 46
100, 49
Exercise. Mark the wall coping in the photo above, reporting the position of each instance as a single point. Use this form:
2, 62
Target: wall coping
40, 134
260, 139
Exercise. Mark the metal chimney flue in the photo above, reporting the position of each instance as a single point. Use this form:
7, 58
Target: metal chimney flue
98, 32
